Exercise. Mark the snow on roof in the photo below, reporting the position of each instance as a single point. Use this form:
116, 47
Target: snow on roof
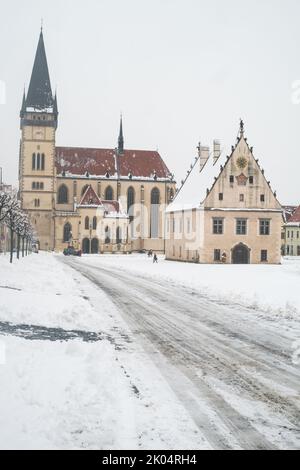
142, 164
194, 192
295, 218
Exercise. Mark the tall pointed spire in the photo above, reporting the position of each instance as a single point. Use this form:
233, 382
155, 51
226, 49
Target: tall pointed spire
23, 108
39, 94
121, 138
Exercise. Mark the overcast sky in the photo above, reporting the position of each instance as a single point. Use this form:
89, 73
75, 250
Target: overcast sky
179, 70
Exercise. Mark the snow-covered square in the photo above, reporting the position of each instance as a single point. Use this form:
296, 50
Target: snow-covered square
115, 352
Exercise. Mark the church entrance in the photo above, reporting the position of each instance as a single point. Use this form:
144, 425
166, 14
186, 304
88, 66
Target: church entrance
95, 246
241, 254
86, 246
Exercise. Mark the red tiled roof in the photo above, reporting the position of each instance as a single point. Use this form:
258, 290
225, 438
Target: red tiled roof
90, 198
97, 162
111, 206
288, 211
295, 218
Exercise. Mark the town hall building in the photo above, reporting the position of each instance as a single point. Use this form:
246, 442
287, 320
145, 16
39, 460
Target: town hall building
226, 213
98, 200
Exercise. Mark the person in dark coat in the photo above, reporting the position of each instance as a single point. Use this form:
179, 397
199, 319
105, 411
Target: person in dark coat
155, 259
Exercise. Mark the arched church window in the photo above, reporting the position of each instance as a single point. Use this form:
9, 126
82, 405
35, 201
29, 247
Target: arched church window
43, 162
154, 222
84, 189
109, 194
130, 200
63, 197
107, 236
67, 233
119, 235
95, 223
33, 161
87, 223
38, 161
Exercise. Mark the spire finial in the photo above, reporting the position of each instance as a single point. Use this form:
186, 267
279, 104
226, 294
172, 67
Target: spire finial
242, 128
121, 137
42, 24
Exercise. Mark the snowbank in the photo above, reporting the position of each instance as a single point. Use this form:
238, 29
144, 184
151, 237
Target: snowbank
270, 289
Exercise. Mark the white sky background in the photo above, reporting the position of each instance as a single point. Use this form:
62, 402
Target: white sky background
180, 71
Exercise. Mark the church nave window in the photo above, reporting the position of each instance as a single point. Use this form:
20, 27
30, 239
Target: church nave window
87, 223
109, 194
63, 196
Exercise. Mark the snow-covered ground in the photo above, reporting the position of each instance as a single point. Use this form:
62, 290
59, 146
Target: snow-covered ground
271, 289
73, 394
121, 353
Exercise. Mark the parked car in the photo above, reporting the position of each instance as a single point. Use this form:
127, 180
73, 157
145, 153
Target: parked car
70, 251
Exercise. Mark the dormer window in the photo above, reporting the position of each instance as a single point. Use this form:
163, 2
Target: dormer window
130, 176
231, 179
251, 179
87, 174
107, 175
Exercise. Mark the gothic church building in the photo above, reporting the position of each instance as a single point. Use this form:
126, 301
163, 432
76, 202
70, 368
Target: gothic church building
98, 200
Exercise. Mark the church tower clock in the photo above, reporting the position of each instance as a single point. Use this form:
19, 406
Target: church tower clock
37, 174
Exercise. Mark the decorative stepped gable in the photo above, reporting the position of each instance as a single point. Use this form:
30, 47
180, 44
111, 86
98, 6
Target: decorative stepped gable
241, 182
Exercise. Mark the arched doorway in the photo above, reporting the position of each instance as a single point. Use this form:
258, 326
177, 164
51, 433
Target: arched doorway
95, 246
240, 254
86, 246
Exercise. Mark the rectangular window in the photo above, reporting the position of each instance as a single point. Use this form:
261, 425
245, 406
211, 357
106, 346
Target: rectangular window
264, 256
242, 198
220, 196
33, 186
218, 226
264, 227
298, 250
262, 198
251, 179
241, 227
217, 255
231, 179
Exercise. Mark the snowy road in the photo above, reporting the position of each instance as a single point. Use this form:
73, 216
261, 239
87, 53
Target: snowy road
229, 366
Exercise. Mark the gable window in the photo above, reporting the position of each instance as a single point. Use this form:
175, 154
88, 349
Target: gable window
218, 226
221, 197
95, 223
87, 223
251, 179
262, 198
241, 227
264, 227
264, 256
62, 194
231, 179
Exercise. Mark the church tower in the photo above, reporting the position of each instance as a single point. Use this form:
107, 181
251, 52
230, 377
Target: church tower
37, 174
